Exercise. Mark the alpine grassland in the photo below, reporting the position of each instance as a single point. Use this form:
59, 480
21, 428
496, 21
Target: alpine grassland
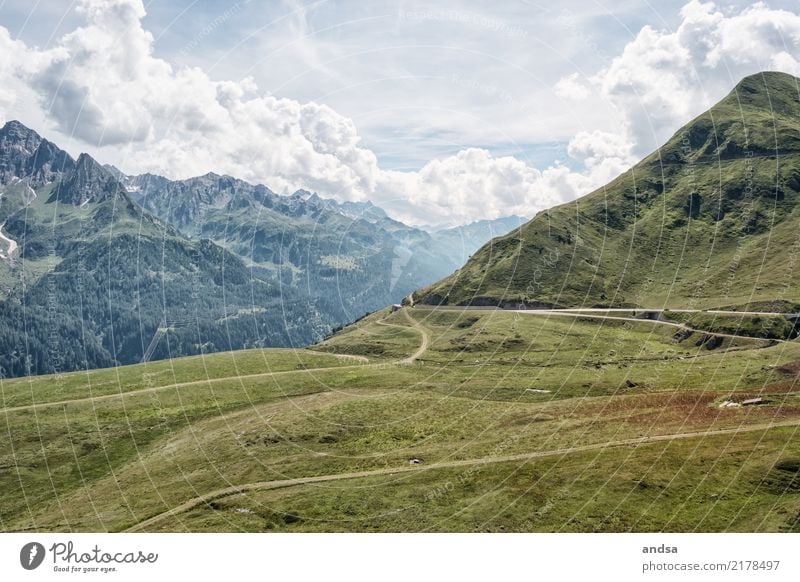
624, 362
419, 420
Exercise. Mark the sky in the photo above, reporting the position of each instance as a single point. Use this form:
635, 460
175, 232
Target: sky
442, 113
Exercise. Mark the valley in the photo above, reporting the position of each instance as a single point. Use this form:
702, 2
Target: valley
171, 268
625, 362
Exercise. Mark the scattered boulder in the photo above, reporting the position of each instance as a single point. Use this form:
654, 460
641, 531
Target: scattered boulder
753, 401
709, 341
730, 403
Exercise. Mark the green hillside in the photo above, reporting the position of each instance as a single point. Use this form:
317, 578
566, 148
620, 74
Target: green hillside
711, 219
447, 420
439, 418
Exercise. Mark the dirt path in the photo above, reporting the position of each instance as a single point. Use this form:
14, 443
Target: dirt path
425, 340
180, 385
416, 326
424, 336
268, 485
352, 357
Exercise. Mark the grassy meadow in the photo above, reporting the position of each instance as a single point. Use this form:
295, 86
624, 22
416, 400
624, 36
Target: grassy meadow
419, 420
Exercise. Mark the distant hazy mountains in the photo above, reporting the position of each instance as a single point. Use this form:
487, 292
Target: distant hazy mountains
350, 257
98, 268
711, 219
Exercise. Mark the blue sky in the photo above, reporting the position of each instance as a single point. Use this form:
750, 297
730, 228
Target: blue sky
444, 113
388, 58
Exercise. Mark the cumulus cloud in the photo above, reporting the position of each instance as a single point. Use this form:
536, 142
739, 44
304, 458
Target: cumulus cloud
16, 96
8, 69
572, 88
664, 78
103, 85
470, 185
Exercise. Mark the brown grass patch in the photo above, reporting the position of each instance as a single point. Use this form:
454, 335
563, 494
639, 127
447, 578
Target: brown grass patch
790, 369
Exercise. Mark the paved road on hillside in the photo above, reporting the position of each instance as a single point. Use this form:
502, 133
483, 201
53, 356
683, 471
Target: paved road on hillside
662, 310
642, 320
639, 310
594, 313
283, 483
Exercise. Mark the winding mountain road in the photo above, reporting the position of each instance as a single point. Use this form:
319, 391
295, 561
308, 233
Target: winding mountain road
596, 313
576, 313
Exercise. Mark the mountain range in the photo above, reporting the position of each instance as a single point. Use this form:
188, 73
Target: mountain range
351, 256
98, 268
708, 220
412, 418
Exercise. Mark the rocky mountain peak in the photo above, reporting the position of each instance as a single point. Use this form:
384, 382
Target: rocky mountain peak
87, 182
24, 153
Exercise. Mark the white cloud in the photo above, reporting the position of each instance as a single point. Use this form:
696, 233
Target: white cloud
468, 186
103, 85
16, 98
572, 88
662, 79
8, 70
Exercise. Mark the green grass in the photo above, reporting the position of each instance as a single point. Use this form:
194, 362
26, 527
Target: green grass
775, 327
664, 487
198, 369
491, 384
374, 341
708, 220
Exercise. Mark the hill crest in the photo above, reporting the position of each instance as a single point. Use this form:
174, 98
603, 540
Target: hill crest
705, 220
